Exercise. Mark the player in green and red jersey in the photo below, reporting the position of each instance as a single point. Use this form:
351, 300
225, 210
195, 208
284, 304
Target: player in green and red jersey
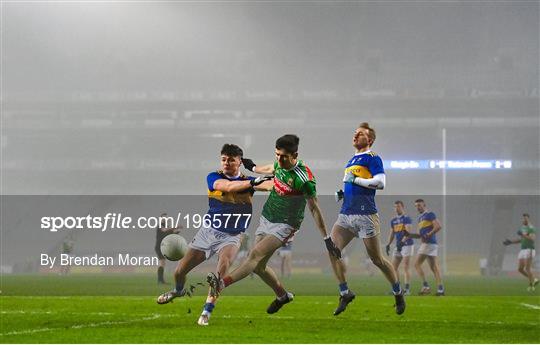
282, 215
527, 234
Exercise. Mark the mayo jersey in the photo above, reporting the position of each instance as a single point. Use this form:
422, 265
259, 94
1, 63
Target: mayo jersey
358, 199
425, 225
223, 205
287, 200
398, 227
525, 242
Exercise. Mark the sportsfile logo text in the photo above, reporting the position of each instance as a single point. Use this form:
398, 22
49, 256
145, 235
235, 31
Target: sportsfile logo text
112, 221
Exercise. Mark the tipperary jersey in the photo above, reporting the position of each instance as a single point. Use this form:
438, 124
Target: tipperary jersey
224, 205
287, 199
398, 227
358, 199
425, 225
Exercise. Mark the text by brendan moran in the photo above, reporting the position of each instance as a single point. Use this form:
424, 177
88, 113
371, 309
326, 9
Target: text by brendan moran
97, 260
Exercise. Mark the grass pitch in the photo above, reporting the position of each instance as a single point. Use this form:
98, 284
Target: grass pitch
49, 315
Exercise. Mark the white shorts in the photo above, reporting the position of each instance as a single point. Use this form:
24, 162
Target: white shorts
284, 232
405, 251
526, 254
428, 249
211, 241
363, 226
285, 253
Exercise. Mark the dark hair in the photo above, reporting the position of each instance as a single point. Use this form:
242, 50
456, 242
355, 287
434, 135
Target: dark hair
420, 200
371, 132
288, 142
526, 215
232, 150
399, 202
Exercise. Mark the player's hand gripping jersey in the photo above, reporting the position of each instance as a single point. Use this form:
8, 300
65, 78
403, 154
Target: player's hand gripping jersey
425, 225
223, 205
287, 200
358, 199
398, 227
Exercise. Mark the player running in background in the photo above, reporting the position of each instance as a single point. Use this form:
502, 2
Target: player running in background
161, 232
428, 226
404, 249
229, 193
282, 215
285, 253
358, 217
527, 234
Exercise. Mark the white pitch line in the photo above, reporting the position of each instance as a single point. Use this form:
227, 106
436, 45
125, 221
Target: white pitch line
51, 312
531, 306
87, 325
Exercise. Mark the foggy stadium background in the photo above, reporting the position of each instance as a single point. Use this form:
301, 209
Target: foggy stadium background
138, 98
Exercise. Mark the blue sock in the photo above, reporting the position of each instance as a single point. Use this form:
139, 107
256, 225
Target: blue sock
441, 288
425, 284
396, 288
343, 288
407, 286
208, 307
179, 288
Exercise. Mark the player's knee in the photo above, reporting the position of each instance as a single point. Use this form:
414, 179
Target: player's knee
379, 262
255, 257
259, 269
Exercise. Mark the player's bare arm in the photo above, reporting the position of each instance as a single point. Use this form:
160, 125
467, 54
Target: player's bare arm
390, 240
266, 186
259, 169
313, 205
436, 228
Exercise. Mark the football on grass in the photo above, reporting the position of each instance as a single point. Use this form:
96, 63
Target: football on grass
173, 247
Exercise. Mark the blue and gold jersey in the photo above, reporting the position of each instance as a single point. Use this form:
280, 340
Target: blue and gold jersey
425, 225
358, 199
224, 204
398, 227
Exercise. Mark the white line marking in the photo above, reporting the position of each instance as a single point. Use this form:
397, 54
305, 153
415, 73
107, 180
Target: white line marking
87, 325
530, 306
51, 312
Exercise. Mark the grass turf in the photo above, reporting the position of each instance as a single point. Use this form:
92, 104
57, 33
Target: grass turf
43, 309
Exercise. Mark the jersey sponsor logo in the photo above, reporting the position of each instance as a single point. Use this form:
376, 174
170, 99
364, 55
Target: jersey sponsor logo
282, 188
359, 171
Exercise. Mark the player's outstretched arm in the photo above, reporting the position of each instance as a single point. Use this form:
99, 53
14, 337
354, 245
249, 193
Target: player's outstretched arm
259, 169
508, 242
313, 205
224, 185
376, 182
390, 240
266, 186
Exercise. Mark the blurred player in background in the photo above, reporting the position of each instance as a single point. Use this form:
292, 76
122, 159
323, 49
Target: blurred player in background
364, 174
282, 215
404, 249
527, 234
244, 246
161, 232
428, 226
67, 248
285, 253
229, 192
